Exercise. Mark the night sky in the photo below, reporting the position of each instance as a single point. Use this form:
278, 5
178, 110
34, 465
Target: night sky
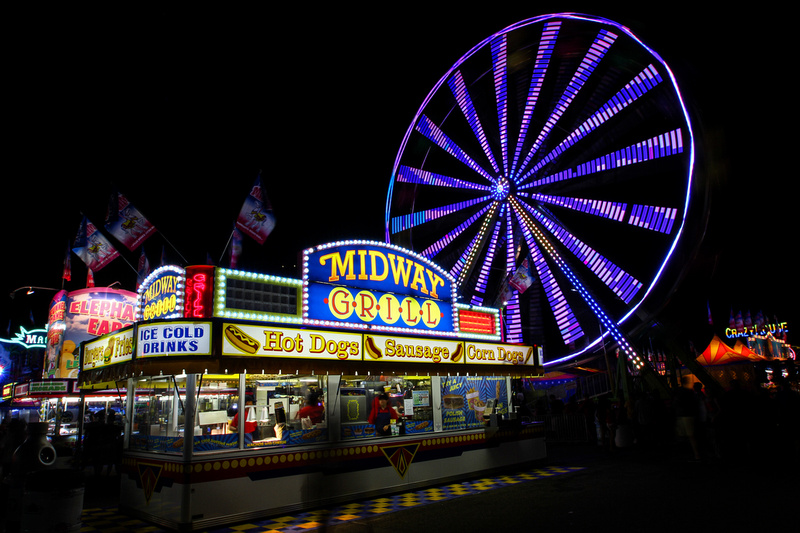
181, 110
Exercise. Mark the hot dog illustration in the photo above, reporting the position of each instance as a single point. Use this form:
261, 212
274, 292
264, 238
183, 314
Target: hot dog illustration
372, 349
458, 353
241, 340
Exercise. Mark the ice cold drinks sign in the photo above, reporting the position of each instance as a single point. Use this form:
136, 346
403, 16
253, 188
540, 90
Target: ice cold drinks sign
173, 339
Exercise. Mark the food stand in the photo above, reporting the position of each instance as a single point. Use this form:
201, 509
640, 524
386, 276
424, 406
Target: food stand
366, 318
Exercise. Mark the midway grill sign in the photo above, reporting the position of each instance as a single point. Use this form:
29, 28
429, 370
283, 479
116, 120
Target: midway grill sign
161, 294
379, 284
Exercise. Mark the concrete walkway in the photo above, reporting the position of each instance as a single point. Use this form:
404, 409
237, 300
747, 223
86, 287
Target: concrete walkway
578, 487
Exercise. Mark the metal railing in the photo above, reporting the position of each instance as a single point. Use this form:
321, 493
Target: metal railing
567, 428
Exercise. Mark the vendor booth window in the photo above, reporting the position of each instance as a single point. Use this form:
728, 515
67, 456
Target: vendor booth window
278, 410
409, 402
158, 415
218, 401
465, 400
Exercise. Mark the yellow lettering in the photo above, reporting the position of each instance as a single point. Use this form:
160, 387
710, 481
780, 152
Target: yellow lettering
436, 281
362, 273
418, 283
339, 266
374, 276
399, 270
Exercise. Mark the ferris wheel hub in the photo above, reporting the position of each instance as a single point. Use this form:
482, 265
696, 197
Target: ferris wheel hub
501, 189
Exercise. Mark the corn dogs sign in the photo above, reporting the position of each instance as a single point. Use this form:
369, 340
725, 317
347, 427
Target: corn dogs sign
377, 284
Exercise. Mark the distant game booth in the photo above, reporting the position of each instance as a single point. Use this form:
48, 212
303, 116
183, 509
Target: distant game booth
307, 361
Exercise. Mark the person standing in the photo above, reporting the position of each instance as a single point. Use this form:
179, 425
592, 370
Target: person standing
250, 426
313, 409
382, 415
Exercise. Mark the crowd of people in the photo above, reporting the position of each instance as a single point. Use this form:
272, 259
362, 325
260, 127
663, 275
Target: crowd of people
706, 425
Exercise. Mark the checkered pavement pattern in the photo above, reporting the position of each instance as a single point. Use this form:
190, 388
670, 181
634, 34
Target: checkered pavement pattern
111, 521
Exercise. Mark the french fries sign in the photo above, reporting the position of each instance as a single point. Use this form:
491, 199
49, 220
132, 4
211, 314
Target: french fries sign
262, 340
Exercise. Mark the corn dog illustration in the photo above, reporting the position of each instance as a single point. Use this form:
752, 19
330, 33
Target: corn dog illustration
241, 340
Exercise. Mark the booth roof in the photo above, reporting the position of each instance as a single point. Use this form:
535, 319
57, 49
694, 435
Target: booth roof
719, 353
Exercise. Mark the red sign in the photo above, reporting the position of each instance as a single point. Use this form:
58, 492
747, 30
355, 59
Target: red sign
199, 299
477, 322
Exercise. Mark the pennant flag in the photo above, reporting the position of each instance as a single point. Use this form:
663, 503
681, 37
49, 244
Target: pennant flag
126, 223
739, 322
236, 247
143, 269
708, 307
760, 320
66, 275
163, 256
256, 219
521, 279
89, 278
92, 247
731, 321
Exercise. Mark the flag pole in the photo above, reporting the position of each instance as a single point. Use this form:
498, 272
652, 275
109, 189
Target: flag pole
172, 246
230, 238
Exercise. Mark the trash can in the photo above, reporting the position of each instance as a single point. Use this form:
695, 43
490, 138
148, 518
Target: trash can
52, 501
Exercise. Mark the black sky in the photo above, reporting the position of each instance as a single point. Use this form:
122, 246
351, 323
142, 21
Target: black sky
181, 109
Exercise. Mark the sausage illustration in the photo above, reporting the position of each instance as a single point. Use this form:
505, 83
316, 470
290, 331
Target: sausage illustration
458, 353
241, 340
372, 348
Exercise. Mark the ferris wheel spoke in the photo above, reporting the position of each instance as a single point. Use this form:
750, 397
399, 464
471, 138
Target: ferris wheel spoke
483, 276
404, 222
641, 84
451, 235
590, 61
568, 325
620, 282
513, 315
546, 45
664, 145
423, 177
430, 130
499, 68
459, 89
654, 218
469, 257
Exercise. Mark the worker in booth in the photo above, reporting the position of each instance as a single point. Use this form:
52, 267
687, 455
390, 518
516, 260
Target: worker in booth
382, 415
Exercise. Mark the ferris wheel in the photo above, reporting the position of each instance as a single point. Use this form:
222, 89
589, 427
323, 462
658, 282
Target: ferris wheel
549, 170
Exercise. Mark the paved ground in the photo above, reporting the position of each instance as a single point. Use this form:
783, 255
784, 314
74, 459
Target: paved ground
578, 487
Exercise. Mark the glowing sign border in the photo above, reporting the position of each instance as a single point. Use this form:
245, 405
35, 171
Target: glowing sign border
24, 333
450, 300
220, 299
179, 291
